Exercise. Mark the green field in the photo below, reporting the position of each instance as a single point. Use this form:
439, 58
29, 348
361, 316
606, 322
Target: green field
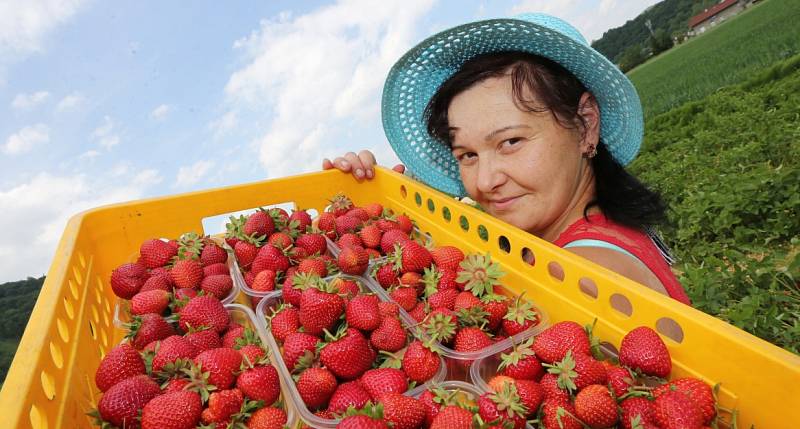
767, 32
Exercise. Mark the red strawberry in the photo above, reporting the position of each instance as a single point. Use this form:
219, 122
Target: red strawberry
386, 225
374, 210
642, 349
359, 213
465, 300
123, 361
531, 394
349, 356
553, 343
204, 339
578, 371
638, 408
444, 299
405, 224
259, 224
121, 403
362, 313
221, 364
386, 275
452, 417
411, 256
285, 320
157, 282
388, 309
252, 353
153, 301
213, 254
144, 329
302, 218
340, 204
347, 395
204, 311
264, 281
313, 243
177, 410
175, 385
316, 386
233, 334
401, 411
502, 407
327, 224
319, 309
405, 297
520, 317
155, 253
697, 390
353, 260
419, 312
184, 294
470, 339
559, 415
313, 266
371, 236
245, 252
219, 286
267, 418
127, 279
297, 253
595, 406
260, 384
675, 410
221, 406
214, 269
347, 224
521, 363
379, 381
420, 363
171, 349
281, 240
270, 258
447, 257
390, 335
298, 344
411, 279
362, 421
619, 379
187, 273
392, 237
552, 390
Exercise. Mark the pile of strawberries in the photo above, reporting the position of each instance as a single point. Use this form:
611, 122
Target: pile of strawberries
345, 347
167, 273
557, 379
196, 367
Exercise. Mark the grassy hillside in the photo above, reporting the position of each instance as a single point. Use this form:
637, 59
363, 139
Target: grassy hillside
16, 303
766, 33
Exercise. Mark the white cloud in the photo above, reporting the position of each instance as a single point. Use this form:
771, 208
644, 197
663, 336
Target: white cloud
590, 17
29, 101
104, 135
70, 102
89, 154
320, 76
160, 113
224, 124
25, 139
191, 174
39, 209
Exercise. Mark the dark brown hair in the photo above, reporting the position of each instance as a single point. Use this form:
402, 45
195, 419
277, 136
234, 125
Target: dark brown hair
619, 195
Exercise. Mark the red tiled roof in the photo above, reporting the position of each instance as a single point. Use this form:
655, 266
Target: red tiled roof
708, 13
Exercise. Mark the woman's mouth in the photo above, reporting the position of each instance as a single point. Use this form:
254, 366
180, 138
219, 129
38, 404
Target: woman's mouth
501, 204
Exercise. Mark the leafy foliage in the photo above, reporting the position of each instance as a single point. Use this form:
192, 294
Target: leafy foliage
16, 303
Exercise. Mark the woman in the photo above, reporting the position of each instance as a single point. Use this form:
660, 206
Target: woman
526, 119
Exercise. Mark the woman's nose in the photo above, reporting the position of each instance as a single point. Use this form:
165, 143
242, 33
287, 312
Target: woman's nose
490, 175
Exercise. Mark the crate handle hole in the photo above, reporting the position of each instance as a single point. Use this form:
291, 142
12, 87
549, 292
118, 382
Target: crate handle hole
57, 355
37, 417
63, 330
669, 328
446, 214
483, 233
621, 303
464, 223
588, 287
556, 271
528, 256
48, 385
609, 350
504, 244
69, 309
431, 206
403, 191
91, 330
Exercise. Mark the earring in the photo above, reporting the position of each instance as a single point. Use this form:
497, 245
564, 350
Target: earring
591, 152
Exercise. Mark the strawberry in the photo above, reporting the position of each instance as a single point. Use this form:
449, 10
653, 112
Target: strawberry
405, 297
187, 273
221, 406
401, 411
127, 279
213, 254
297, 253
270, 258
204, 311
380, 381
370, 236
320, 308
221, 364
259, 224
313, 266
232, 334
552, 390
156, 253
260, 383
123, 361
531, 395
294, 285
144, 329
466, 300
284, 321
496, 307
503, 407
697, 390
340, 204
362, 313
245, 252
353, 260
316, 386
204, 339
312, 242
639, 410
559, 415
411, 256
347, 355
386, 308
279, 217
267, 418
362, 421
675, 410
420, 363
177, 410
215, 269
387, 225
374, 210
391, 238
405, 224
327, 224
441, 325
452, 417
346, 395
447, 257
443, 299
470, 339
252, 353
390, 335
347, 224
170, 350
419, 312
642, 349
264, 281
153, 301
157, 282
358, 213
619, 379
519, 318
496, 382
553, 343
578, 371
121, 403
175, 385
302, 218
281, 240
479, 274
595, 406
521, 363
297, 345
411, 279
218, 286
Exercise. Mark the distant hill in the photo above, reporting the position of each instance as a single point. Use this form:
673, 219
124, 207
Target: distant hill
16, 303
671, 16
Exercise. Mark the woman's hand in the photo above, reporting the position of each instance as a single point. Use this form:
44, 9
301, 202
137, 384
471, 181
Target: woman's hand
362, 165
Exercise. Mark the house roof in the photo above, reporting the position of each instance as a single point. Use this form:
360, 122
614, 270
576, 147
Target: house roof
708, 13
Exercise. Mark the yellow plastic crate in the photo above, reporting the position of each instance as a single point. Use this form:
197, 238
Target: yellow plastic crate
51, 381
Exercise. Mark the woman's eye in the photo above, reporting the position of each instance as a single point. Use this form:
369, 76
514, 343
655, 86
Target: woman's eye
512, 141
466, 156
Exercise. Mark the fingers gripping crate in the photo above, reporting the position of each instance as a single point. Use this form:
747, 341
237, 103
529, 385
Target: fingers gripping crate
51, 381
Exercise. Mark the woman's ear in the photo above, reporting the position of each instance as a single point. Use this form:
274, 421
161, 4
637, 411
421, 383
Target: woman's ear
589, 112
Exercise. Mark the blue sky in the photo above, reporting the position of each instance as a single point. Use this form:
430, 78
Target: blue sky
104, 102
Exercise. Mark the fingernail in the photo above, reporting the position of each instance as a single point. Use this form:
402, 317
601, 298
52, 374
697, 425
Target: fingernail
345, 164
359, 172
369, 174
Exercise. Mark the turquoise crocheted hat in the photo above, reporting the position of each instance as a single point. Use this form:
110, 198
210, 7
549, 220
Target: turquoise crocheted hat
414, 79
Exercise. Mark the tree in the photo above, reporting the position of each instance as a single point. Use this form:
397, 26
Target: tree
632, 57
659, 41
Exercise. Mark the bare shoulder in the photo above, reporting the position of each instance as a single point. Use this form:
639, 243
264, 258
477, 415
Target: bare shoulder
622, 264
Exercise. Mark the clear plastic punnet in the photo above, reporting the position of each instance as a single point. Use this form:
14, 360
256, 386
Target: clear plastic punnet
262, 311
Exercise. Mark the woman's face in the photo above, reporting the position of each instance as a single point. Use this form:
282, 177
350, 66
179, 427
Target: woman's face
521, 167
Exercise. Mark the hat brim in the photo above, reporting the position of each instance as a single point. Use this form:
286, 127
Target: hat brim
419, 73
